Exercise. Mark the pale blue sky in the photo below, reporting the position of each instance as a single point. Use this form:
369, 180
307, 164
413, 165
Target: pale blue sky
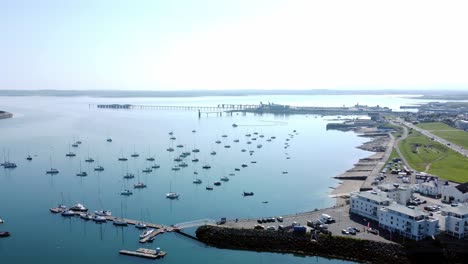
236, 44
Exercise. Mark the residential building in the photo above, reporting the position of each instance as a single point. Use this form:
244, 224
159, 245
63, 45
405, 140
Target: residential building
411, 223
457, 193
368, 204
456, 221
398, 193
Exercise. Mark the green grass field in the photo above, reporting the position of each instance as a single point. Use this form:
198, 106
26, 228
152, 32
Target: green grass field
422, 153
456, 136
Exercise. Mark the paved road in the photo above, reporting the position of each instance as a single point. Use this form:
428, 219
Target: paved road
453, 146
412, 178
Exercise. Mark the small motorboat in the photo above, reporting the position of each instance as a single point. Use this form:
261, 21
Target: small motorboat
180, 146
89, 160
75, 145
82, 174
86, 216
1, 221
194, 131
146, 233
175, 168
209, 188
103, 213
196, 150
79, 208
70, 154
237, 169
234, 125
29, 158
197, 181
135, 155
99, 168
224, 136
150, 159
126, 192
78, 142
231, 174
195, 160
236, 140
119, 222
196, 173
178, 159
218, 141
217, 183
123, 159
253, 161
68, 213
171, 133
213, 153
285, 172
259, 145
99, 219
227, 146
147, 170
173, 138
224, 178
156, 166
244, 165
206, 167
52, 171
4, 234
170, 149
139, 185
172, 195
248, 194
249, 142
109, 140
140, 225
243, 150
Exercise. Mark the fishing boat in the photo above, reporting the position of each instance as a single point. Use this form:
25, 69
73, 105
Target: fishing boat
248, 194
197, 181
147, 233
29, 158
213, 153
147, 170
140, 225
103, 213
68, 213
155, 166
99, 168
126, 192
79, 208
217, 183
224, 178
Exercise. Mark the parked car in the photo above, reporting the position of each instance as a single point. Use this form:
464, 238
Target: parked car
351, 231
259, 221
272, 228
294, 223
355, 229
279, 218
344, 232
373, 231
259, 227
281, 227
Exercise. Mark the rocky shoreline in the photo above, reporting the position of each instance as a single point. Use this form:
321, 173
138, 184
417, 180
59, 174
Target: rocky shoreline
4, 115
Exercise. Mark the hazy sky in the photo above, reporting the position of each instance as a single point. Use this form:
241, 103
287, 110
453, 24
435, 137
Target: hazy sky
233, 44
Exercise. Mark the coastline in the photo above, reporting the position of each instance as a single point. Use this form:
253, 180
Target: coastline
362, 174
5, 115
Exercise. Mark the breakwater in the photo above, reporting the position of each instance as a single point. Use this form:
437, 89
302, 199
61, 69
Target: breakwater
441, 250
288, 242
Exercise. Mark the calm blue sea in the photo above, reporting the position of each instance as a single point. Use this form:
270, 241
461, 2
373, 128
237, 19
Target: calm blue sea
45, 127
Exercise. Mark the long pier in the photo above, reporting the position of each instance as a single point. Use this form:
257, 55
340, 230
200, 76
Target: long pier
217, 108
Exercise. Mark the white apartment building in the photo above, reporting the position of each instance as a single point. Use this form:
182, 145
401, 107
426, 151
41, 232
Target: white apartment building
399, 193
411, 223
457, 193
456, 221
368, 204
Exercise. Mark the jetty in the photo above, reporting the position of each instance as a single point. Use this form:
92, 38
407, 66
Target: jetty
144, 253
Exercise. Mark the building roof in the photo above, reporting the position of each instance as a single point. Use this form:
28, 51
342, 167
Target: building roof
463, 187
405, 210
460, 210
374, 197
